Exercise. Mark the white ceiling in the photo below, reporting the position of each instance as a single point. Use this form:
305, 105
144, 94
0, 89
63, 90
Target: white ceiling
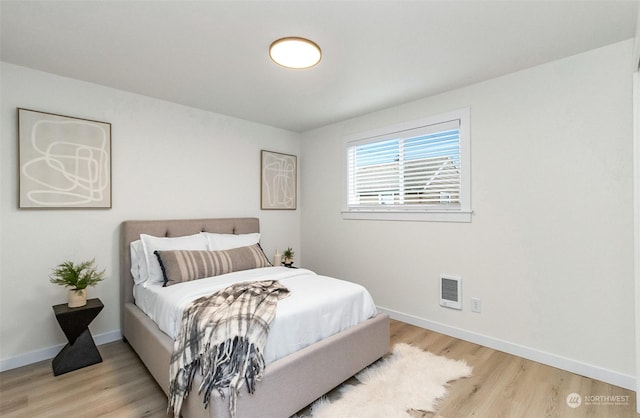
213, 55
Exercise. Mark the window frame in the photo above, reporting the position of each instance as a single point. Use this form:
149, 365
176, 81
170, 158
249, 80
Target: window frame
461, 214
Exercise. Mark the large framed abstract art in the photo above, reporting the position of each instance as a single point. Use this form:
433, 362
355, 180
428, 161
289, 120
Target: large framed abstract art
64, 162
278, 181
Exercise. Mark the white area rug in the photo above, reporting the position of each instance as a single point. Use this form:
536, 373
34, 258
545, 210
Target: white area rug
408, 379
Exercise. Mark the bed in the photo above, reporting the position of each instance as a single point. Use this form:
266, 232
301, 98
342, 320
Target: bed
289, 383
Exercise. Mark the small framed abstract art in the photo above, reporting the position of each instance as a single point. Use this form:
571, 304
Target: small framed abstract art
278, 181
64, 162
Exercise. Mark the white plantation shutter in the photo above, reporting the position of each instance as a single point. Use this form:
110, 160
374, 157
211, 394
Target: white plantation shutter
412, 170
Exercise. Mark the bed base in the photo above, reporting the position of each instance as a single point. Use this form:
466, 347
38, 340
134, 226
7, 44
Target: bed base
289, 384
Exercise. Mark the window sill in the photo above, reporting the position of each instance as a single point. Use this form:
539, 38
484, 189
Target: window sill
432, 216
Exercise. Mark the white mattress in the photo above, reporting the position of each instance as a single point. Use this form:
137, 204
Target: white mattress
317, 307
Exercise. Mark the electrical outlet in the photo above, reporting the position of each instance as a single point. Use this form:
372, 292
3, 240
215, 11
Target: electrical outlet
475, 305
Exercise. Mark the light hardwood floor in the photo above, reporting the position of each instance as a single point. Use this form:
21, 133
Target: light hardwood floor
502, 385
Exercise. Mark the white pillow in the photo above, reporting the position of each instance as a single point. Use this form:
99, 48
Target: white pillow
220, 242
137, 259
150, 270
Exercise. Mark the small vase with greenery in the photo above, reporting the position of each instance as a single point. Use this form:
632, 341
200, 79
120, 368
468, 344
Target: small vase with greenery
77, 277
288, 256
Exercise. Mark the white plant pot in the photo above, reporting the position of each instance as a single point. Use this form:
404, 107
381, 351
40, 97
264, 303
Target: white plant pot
77, 298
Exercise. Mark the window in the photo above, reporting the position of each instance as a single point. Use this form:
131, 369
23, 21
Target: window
414, 171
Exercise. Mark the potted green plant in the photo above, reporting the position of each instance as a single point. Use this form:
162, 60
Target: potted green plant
77, 277
288, 256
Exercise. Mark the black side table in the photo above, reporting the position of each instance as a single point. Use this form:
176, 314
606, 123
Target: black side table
81, 350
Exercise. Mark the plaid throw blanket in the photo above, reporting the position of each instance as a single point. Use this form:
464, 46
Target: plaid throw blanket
223, 335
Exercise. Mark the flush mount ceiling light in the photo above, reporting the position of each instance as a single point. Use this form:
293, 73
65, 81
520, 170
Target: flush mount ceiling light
294, 52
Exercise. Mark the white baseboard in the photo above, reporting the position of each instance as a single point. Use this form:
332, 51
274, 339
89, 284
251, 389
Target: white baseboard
51, 352
573, 366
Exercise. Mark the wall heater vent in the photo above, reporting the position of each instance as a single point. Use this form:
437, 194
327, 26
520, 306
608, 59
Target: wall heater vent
451, 292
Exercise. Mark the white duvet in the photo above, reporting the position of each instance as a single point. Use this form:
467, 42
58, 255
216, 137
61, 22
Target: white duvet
317, 307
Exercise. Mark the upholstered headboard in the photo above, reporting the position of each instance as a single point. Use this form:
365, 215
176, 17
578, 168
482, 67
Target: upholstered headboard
131, 230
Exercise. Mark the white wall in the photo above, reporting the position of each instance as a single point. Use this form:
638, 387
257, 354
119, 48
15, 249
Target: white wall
636, 229
169, 161
636, 188
550, 247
